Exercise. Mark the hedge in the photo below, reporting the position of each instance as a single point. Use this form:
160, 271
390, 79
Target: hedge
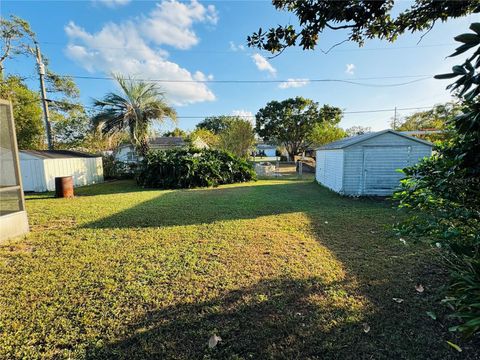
190, 168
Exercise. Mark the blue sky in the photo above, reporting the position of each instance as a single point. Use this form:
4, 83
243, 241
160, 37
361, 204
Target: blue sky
207, 41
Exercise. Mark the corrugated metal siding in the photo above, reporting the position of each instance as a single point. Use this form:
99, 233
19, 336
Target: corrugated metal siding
329, 169
39, 175
380, 168
85, 171
353, 183
33, 175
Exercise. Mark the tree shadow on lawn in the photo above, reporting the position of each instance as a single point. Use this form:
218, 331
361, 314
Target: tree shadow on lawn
203, 206
301, 318
284, 319
272, 319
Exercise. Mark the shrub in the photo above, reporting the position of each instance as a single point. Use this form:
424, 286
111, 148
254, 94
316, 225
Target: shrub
189, 168
442, 193
114, 169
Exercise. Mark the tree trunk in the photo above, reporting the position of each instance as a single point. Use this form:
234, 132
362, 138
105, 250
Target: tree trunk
143, 147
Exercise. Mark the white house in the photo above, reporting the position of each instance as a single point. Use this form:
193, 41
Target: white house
127, 153
269, 150
368, 164
40, 167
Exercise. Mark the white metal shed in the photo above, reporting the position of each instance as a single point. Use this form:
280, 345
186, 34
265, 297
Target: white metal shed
40, 167
368, 164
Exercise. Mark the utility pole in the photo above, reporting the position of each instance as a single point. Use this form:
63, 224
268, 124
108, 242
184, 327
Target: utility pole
41, 74
395, 119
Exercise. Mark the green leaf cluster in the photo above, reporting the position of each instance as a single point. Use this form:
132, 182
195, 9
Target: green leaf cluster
360, 20
191, 168
291, 122
443, 192
27, 113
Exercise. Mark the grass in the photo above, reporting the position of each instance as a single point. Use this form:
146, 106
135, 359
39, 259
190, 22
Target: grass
277, 268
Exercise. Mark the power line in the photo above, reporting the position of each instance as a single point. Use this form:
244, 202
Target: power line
253, 116
232, 81
230, 51
344, 112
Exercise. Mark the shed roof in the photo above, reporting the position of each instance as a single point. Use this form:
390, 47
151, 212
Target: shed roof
343, 143
58, 154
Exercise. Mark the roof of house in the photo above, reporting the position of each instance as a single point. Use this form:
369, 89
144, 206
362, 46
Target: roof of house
266, 146
58, 154
346, 142
167, 141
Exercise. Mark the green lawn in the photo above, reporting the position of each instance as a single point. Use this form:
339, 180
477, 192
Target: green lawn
277, 268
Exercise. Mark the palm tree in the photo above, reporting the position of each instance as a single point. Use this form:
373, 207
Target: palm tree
134, 111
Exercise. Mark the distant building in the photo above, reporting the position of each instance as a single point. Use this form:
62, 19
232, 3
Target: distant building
267, 149
127, 153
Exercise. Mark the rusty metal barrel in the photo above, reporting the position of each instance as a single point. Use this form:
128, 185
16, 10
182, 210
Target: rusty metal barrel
64, 187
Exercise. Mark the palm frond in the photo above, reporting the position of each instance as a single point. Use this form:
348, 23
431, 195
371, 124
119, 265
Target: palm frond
139, 105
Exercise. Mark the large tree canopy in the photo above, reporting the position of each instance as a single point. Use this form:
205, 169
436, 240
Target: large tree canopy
361, 19
216, 124
238, 138
326, 133
435, 118
290, 122
177, 132
17, 39
27, 112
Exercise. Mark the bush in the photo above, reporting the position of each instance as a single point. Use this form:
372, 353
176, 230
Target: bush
444, 209
442, 193
190, 168
114, 169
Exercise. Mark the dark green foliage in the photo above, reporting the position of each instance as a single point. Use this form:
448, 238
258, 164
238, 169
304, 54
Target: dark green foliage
177, 132
27, 112
114, 169
444, 191
190, 168
238, 138
361, 19
291, 122
216, 124
134, 109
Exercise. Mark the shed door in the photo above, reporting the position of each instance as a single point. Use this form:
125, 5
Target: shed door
380, 164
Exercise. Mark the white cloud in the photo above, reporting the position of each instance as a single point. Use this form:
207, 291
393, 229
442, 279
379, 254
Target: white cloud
127, 48
235, 47
350, 69
244, 114
293, 83
170, 23
263, 64
111, 3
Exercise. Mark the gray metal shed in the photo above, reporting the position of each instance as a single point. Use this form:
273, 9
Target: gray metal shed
368, 164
